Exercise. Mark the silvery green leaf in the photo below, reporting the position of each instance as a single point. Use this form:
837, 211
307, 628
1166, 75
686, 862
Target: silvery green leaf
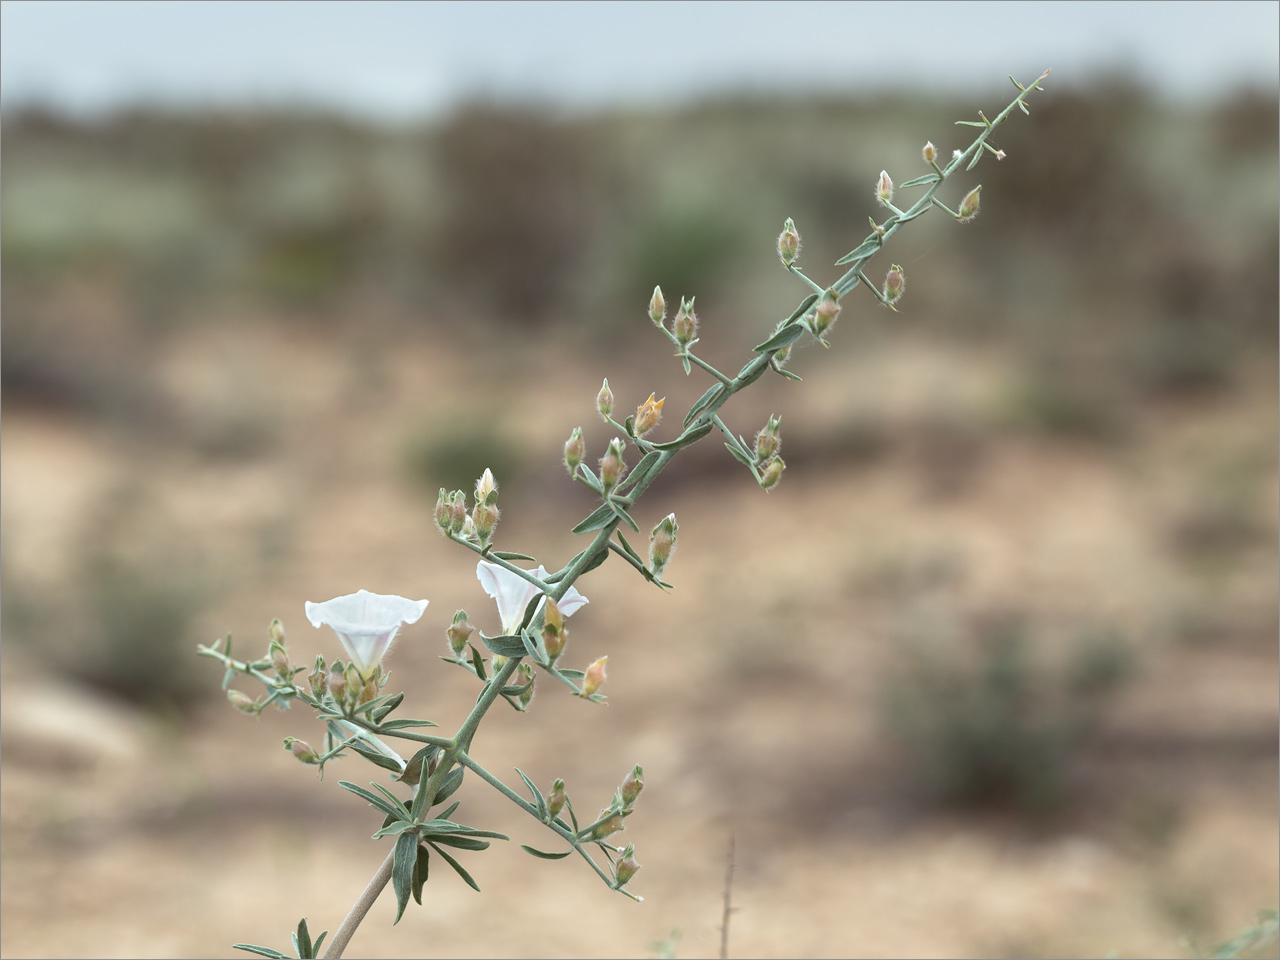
687, 368
542, 854
302, 941
754, 369
600, 517
977, 155
386, 708
402, 807
373, 798
788, 334
787, 373
538, 801
506, 646
970, 123
907, 217
261, 951
405, 722
738, 454
377, 759
571, 673
404, 860
392, 829
864, 249
462, 843
457, 867
448, 811
512, 555
622, 513
477, 662
920, 181
703, 402
629, 549
420, 870
451, 784
685, 439
801, 310
530, 649
641, 470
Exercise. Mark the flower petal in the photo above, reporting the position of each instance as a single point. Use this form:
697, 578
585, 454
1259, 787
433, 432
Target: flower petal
366, 623
511, 591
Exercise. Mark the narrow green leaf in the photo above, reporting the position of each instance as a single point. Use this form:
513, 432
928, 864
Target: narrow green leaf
640, 472
315, 947
542, 854
387, 707
406, 722
449, 812
630, 550
261, 951
598, 518
977, 155
801, 310
413, 769
788, 334
512, 555
1023, 108
393, 829
687, 367
970, 123
703, 402
586, 472
400, 804
507, 646
920, 181
377, 759
451, 783
530, 648
458, 867
628, 425
420, 869
402, 864
462, 843
538, 801
598, 559
571, 673
787, 373
753, 370
477, 662
738, 454
373, 798
692, 436
865, 249
621, 512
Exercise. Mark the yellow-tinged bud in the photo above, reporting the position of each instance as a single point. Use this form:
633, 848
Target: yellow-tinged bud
657, 307
498, 661
575, 448
662, 544
443, 512
607, 828
355, 682
595, 677
772, 473
555, 799
884, 189
242, 701
301, 749
930, 153
894, 283
632, 786
969, 205
459, 632
275, 632
685, 325
469, 529
554, 635
627, 868
768, 441
604, 401
789, 243
612, 466
825, 314
486, 488
485, 517
648, 415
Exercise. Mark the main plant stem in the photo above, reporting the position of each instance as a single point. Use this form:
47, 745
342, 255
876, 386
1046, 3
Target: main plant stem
358, 909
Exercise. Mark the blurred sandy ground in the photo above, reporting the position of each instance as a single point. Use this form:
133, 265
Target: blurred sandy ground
992, 672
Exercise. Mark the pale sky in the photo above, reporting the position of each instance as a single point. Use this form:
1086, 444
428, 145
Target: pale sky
404, 60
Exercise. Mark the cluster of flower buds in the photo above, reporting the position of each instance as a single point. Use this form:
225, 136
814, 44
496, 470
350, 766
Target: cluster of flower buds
349, 689
575, 448
648, 415
486, 513
612, 466
768, 441
657, 307
969, 205
894, 283
451, 515
459, 632
685, 324
825, 314
301, 749
554, 633
662, 544
884, 189
789, 243
594, 678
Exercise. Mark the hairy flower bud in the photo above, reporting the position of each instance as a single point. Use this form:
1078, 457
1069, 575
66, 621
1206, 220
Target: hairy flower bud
662, 544
604, 401
657, 307
337, 683
884, 189
969, 205
612, 466
595, 677
526, 678
894, 283
280, 658
685, 325
370, 690
767, 440
301, 749
444, 512
575, 448
485, 517
627, 867
930, 153
781, 356
486, 488
825, 314
318, 678
789, 243
242, 701
648, 415
632, 786
459, 632
457, 512
607, 828
956, 155
772, 473
554, 634
555, 799
275, 632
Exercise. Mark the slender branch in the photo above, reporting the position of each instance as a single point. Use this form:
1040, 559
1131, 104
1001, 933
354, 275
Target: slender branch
698, 361
351, 921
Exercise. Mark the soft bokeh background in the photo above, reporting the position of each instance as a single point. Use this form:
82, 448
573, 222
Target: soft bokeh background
992, 672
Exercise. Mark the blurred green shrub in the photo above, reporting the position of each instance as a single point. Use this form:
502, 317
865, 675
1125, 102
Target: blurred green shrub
987, 725
455, 456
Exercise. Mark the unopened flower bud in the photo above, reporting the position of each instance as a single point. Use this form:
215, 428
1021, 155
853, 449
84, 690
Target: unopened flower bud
318, 678
632, 786
459, 632
768, 441
485, 517
894, 283
497, 662
275, 632
772, 473
554, 635
789, 243
969, 205
242, 702
685, 325
337, 683
575, 448
355, 682
612, 466
595, 677
458, 512
525, 673
469, 529
280, 659
444, 512
370, 690
825, 314
301, 749
657, 307
626, 869
486, 488
648, 414
607, 828
604, 401
555, 799
930, 153
884, 189
662, 544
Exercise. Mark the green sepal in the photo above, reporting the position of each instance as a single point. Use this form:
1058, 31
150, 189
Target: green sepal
920, 181
462, 843
687, 367
394, 828
402, 870
507, 646
704, 401
598, 518
787, 335
864, 249
629, 425
512, 555
542, 854
456, 866
420, 868
377, 759
386, 708
685, 439
261, 951
373, 799
538, 801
